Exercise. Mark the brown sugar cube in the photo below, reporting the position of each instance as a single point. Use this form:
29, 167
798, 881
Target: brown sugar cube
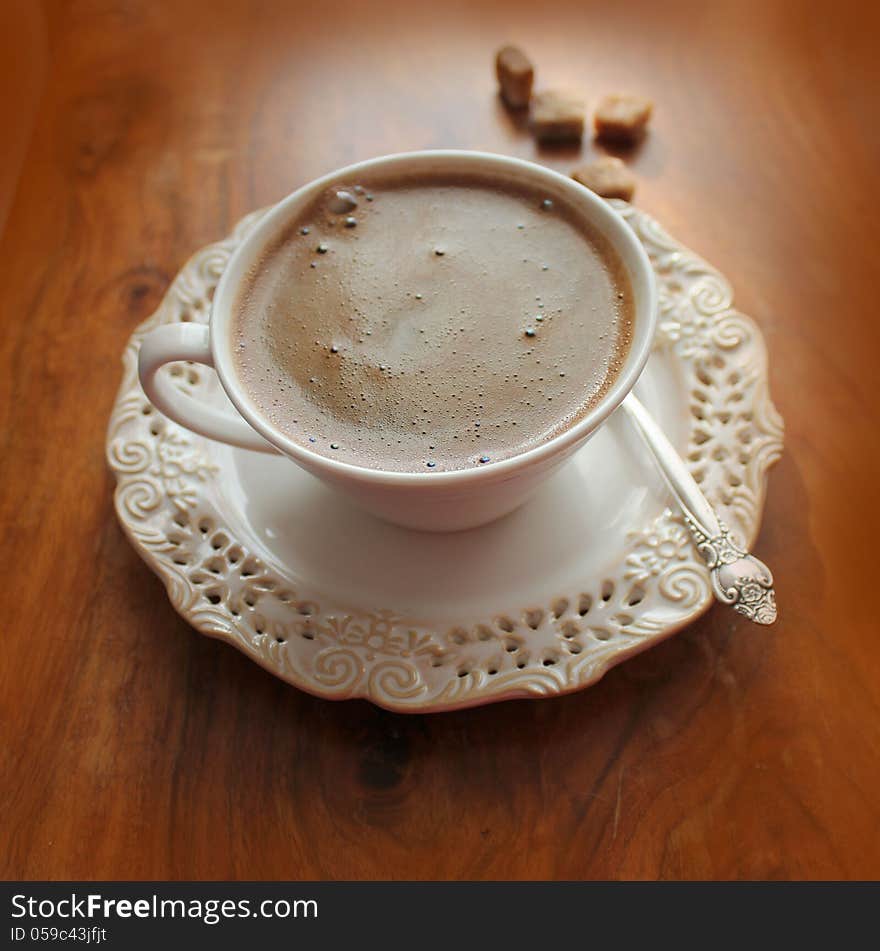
622, 118
515, 76
608, 177
557, 116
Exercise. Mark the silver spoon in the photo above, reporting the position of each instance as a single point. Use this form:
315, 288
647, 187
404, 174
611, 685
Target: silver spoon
738, 578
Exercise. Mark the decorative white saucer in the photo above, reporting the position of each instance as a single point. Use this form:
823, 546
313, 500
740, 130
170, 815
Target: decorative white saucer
594, 569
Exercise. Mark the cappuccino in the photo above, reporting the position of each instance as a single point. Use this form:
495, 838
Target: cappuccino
434, 322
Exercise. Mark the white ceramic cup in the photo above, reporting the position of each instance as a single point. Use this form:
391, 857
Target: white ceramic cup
432, 501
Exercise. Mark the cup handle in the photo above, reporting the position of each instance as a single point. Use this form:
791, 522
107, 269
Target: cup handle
172, 342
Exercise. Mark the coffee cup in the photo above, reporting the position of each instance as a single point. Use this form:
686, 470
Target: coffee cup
431, 501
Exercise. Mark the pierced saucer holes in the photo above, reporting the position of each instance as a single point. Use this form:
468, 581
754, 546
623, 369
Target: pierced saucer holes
234, 555
585, 602
484, 633
214, 596
601, 633
570, 629
458, 635
559, 607
307, 608
534, 618
505, 624
635, 596
250, 567
550, 660
607, 590
219, 541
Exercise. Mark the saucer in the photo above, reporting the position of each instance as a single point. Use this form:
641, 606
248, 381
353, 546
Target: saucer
595, 568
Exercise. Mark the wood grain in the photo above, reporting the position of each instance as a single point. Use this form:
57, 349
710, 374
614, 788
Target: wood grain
134, 748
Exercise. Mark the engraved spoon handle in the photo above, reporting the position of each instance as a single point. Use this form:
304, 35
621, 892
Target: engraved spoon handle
739, 579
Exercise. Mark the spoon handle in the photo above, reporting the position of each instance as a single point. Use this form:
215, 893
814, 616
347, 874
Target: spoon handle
739, 579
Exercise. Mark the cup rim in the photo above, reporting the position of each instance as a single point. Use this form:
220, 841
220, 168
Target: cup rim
602, 216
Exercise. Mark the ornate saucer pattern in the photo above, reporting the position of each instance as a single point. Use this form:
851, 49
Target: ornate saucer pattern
169, 503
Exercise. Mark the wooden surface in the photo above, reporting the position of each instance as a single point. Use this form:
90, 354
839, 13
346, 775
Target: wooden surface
134, 748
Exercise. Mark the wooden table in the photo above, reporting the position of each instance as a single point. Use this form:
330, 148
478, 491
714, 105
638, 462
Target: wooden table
134, 748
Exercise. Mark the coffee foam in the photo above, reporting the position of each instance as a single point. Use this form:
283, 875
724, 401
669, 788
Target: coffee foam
432, 323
